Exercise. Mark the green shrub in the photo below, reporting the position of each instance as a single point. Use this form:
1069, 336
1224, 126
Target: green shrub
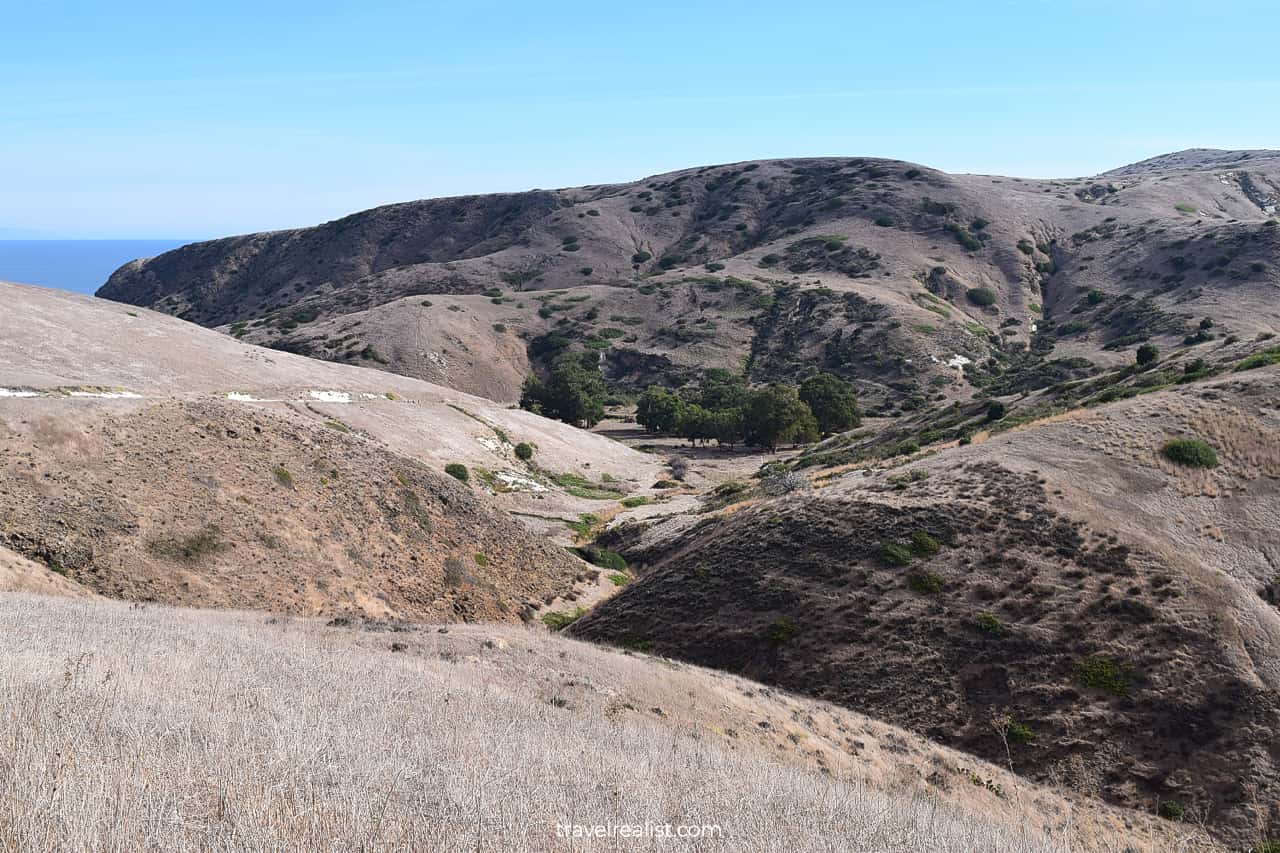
499, 327
989, 623
458, 471
619, 579
1172, 810
191, 548
963, 237
894, 554
633, 502
524, 451
981, 296
995, 411
604, 558
1267, 846
927, 583
924, 545
780, 631
1147, 354
1260, 359
1102, 673
1019, 732
1191, 452
282, 475
561, 619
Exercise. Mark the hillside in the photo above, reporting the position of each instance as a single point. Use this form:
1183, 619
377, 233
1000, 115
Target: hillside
151, 728
1059, 594
921, 285
149, 459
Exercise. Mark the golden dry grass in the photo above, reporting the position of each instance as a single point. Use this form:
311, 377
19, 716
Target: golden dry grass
144, 728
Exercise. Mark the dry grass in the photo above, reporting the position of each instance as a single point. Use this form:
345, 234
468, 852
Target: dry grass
129, 728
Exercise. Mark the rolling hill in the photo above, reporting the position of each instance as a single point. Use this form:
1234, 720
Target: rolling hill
918, 284
1063, 594
149, 459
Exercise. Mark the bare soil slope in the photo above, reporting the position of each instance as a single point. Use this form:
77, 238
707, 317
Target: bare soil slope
149, 459
1061, 595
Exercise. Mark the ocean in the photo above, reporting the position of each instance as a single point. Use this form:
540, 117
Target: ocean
79, 265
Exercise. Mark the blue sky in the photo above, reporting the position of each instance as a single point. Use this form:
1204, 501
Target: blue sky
142, 119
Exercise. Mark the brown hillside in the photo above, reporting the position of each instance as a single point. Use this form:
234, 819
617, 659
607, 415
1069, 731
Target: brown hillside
874, 269
1117, 611
148, 459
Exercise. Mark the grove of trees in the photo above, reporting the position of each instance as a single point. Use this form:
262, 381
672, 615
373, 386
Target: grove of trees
574, 392
726, 410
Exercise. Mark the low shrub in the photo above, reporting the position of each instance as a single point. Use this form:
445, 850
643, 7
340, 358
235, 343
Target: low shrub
924, 545
1191, 452
989, 623
524, 451
561, 619
604, 558
1019, 732
458, 471
780, 631
926, 583
981, 296
191, 548
894, 554
1102, 673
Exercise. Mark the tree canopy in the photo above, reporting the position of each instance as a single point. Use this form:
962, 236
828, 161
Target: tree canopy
574, 391
832, 402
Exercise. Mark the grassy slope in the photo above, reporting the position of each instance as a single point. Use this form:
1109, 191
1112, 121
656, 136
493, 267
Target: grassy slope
148, 728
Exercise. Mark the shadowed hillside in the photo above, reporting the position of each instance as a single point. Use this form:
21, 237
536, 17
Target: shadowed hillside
1076, 595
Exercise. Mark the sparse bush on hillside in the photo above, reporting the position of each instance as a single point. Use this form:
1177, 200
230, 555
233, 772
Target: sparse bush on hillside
192, 547
282, 475
1147, 354
604, 558
1172, 810
894, 554
989, 623
1018, 732
963, 237
924, 545
995, 410
784, 483
1102, 673
1191, 452
524, 451
926, 583
1260, 359
561, 619
780, 631
981, 296
458, 471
